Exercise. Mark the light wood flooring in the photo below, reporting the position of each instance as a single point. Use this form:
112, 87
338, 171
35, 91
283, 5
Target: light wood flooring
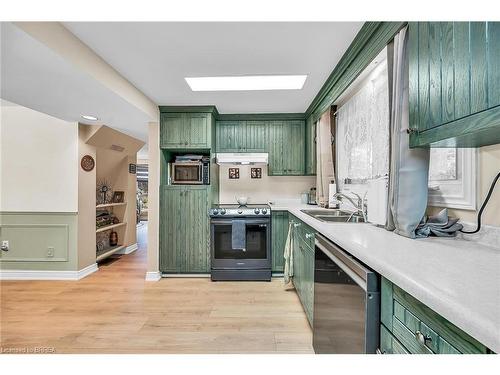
115, 311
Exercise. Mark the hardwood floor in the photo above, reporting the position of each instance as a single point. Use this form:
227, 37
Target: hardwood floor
115, 311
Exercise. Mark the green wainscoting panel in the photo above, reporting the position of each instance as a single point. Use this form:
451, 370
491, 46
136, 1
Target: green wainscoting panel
40, 241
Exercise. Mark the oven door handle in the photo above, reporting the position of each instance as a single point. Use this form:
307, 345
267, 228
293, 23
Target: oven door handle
247, 221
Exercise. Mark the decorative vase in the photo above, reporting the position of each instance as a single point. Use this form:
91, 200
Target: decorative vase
113, 238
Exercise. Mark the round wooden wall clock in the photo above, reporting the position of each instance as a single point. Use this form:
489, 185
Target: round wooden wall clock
87, 163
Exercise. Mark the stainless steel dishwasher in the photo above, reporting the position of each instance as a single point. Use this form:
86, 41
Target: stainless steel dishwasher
346, 302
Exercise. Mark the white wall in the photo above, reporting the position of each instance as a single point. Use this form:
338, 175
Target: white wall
39, 162
268, 188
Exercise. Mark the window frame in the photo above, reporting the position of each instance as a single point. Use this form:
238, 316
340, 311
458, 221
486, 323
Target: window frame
462, 192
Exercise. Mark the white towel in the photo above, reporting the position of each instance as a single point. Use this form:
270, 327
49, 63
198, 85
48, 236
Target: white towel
288, 255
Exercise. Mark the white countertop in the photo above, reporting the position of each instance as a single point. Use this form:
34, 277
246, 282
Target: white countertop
458, 279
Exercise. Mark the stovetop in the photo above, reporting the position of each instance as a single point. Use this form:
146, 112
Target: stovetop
234, 210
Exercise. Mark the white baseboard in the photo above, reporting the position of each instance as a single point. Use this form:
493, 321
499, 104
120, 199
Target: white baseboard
128, 249
153, 276
47, 275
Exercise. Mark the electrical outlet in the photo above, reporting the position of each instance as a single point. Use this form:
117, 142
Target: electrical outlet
5, 245
50, 252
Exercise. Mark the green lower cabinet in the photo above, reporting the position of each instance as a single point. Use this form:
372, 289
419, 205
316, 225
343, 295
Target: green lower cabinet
279, 228
184, 233
303, 267
389, 344
418, 329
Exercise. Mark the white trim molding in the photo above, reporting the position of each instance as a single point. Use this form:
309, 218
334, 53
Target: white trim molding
461, 192
47, 275
129, 249
153, 276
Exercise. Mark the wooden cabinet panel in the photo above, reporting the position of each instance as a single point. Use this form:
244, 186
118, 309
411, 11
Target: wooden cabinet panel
454, 83
256, 136
230, 136
196, 220
172, 233
407, 318
389, 344
275, 148
172, 130
197, 129
310, 148
185, 130
279, 227
184, 229
294, 148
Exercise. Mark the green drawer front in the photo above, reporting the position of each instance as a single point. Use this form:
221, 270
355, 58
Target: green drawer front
411, 320
389, 344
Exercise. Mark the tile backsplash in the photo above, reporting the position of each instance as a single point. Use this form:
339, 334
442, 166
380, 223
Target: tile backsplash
261, 190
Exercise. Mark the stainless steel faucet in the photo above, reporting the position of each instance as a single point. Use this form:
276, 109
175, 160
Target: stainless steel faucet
360, 204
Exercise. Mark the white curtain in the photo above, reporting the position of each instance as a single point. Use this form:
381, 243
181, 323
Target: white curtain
324, 158
363, 130
409, 168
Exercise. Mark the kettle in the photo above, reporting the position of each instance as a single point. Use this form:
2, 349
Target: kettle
312, 196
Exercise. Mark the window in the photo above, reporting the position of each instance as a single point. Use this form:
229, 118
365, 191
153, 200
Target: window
452, 178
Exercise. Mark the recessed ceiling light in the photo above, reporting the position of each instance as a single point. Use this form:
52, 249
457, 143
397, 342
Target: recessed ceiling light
90, 118
246, 83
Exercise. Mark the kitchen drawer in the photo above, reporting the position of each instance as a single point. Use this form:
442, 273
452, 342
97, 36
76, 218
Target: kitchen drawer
420, 329
389, 344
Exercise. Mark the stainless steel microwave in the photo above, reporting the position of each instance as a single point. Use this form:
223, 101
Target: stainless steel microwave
190, 173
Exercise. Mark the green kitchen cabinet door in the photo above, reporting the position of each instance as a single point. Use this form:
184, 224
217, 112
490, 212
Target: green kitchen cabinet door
454, 83
195, 250
310, 147
172, 228
197, 130
231, 136
256, 136
279, 228
172, 134
294, 148
275, 148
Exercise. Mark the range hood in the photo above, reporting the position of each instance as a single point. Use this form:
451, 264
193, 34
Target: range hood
241, 158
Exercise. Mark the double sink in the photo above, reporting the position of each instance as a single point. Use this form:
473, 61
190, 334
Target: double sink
335, 216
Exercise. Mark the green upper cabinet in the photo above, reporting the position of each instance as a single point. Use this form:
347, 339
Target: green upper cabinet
286, 148
454, 83
186, 130
230, 136
294, 148
256, 136
310, 147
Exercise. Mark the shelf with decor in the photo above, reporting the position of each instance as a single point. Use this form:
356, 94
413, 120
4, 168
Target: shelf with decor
107, 205
104, 253
107, 227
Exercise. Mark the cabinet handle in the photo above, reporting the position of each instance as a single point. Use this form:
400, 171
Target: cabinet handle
378, 351
309, 235
421, 338
296, 225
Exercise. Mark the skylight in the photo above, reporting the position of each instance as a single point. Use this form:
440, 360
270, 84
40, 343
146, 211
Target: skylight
246, 83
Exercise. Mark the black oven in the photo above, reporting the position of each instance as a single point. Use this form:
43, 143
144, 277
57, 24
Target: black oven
251, 263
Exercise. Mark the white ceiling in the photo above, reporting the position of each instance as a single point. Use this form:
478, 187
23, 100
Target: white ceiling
34, 76
156, 57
